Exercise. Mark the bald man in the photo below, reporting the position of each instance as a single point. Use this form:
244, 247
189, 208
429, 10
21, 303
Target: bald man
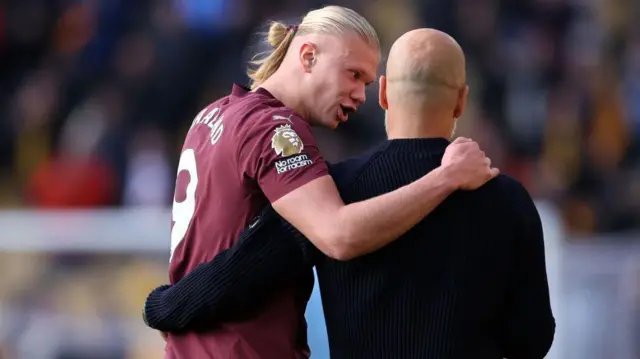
469, 281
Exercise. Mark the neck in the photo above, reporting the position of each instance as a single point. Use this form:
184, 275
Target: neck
407, 124
286, 91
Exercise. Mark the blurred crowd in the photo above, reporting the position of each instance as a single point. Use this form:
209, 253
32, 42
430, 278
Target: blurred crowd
77, 307
96, 95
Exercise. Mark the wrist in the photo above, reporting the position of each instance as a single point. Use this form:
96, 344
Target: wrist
448, 177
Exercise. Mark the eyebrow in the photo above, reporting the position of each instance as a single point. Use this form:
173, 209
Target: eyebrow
366, 75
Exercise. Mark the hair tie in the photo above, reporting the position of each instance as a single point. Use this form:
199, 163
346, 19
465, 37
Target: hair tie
292, 27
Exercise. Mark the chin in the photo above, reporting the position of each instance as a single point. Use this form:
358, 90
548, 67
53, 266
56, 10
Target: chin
330, 124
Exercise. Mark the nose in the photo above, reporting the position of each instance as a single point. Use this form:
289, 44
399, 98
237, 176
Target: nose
359, 95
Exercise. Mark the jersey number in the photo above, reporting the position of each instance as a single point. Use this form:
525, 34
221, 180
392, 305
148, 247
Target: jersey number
182, 212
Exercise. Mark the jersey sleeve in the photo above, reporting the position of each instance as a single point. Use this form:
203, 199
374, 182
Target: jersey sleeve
280, 152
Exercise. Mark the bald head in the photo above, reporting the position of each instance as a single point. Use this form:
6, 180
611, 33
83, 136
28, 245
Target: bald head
427, 66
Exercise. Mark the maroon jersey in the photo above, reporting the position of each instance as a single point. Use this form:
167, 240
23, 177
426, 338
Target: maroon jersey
241, 152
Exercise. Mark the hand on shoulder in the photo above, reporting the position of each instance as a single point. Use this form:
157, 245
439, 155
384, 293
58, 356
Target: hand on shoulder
468, 165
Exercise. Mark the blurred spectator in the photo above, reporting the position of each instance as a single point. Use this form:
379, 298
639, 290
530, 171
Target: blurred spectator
554, 94
150, 175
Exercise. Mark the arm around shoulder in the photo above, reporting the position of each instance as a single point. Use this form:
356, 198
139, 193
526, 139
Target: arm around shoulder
237, 282
344, 231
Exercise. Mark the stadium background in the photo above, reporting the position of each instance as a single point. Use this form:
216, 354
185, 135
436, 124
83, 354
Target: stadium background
96, 95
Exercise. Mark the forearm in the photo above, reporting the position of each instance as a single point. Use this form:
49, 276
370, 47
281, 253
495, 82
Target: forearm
374, 223
236, 282
201, 293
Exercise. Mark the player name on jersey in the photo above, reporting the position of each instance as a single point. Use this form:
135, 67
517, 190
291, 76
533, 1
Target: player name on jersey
213, 119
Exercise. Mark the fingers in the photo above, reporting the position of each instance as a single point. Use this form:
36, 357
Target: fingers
462, 140
494, 172
468, 147
463, 145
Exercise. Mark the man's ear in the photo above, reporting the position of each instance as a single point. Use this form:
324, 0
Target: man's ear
382, 93
462, 102
307, 56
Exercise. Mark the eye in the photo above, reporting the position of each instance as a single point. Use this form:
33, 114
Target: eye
356, 74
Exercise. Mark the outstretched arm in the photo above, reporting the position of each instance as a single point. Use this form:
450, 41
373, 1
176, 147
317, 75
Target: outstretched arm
347, 231
284, 160
237, 282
